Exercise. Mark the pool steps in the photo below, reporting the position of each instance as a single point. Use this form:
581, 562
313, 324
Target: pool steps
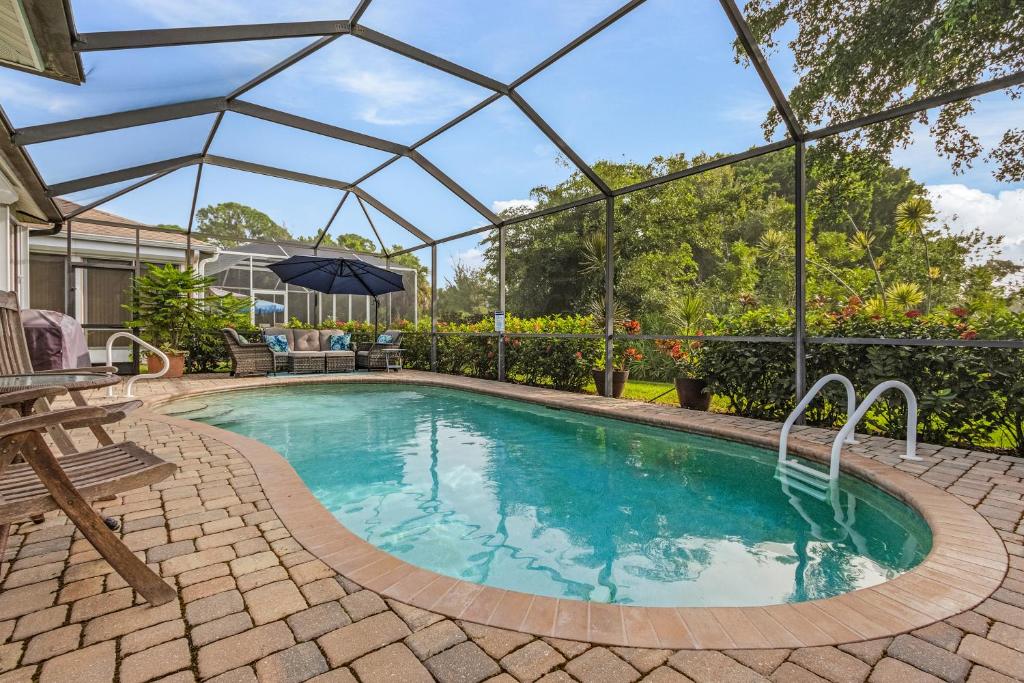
854, 414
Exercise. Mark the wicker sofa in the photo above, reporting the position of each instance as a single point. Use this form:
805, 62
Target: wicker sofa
307, 347
309, 351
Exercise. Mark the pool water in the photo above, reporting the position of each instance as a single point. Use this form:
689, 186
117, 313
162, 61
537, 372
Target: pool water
558, 503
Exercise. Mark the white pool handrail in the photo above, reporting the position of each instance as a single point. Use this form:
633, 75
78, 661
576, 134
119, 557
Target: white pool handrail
132, 380
851, 405
862, 409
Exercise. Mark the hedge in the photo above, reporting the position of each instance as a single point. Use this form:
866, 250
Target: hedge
967, 396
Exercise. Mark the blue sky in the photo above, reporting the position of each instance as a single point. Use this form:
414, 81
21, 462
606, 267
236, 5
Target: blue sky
660, 81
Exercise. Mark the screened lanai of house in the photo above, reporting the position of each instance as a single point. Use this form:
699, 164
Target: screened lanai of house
428, 129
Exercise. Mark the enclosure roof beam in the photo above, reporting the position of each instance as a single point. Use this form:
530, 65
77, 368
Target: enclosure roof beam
88, 125
373, 227
386, 210
27, 175
718, 162
579, 40
285, 63
561, 144
114, 195
330, 221
431, 60
313, 126
272, 171
753, 51
121, 175
197, 35
456, 189
360, 9
909, 108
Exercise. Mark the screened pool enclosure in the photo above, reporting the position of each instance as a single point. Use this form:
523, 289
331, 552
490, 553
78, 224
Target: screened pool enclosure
428, 129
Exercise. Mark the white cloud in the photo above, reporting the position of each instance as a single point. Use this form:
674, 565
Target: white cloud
19, 91
472, 257
965, 208
499, 205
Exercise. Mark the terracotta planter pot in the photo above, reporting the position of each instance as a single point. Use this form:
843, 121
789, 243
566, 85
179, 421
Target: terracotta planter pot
692, 393
176, 362
619, 379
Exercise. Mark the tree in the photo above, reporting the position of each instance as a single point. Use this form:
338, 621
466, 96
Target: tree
468, 295
348, 240
230, 223
857, 58
410, 260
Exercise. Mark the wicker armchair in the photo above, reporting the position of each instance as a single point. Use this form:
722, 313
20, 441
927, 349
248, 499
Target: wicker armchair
248, 358
372, 358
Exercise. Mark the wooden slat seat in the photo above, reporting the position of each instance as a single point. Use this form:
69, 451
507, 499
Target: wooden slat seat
94, 474
33, 481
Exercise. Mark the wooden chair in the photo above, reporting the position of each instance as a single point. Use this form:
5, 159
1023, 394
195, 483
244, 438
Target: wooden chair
43, 483
15, 360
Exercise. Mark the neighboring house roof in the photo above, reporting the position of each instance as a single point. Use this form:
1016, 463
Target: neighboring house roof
286, 249
99, 223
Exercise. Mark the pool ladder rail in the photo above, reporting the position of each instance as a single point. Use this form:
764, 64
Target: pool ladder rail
854, 414
135, 378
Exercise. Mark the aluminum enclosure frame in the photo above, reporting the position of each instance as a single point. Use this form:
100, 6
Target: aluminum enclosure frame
328, 31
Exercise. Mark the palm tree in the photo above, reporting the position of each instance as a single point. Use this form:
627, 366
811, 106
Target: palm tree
913, 215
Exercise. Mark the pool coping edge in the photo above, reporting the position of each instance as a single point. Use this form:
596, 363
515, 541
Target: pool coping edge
966, 564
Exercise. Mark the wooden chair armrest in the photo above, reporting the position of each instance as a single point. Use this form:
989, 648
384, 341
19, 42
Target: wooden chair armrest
99, 369
26, 395
38, 421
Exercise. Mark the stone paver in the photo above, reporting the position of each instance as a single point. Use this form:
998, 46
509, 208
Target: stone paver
274, 601
930, 658
599, 663
464, 663
156, 661
256, 605
395, 662
435, 638
299, 663
355, 640
531, 662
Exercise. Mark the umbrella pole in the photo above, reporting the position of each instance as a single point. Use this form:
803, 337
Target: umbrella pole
376, 305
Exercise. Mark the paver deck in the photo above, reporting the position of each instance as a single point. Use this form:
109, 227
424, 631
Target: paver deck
268, 590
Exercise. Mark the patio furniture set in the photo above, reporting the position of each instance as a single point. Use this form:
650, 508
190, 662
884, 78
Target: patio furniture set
35, 480
309, 351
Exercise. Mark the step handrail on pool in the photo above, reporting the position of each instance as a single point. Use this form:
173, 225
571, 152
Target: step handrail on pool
862, 409
132, 380
851, 406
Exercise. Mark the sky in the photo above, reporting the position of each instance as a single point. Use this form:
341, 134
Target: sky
660, 81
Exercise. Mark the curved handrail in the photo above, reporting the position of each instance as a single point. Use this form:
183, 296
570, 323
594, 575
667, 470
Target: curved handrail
851, 405
132, 380
862, 409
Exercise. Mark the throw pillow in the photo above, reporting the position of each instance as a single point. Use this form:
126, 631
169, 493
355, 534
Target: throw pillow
278, 343
384, 339
339, 342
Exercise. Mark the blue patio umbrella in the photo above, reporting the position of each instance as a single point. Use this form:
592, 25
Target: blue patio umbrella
264, 307
336, 275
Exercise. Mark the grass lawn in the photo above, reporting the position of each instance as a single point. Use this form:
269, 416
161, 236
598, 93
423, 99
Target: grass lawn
639, 390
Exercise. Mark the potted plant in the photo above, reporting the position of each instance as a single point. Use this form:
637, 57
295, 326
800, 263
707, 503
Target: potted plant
623, 357
168, 307
688, 356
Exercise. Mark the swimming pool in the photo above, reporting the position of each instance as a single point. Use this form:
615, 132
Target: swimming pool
557, 503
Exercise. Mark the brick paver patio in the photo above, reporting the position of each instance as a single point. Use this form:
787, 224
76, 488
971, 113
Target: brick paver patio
254, 604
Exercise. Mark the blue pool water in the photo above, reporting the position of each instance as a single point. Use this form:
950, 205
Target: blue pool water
558, 503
